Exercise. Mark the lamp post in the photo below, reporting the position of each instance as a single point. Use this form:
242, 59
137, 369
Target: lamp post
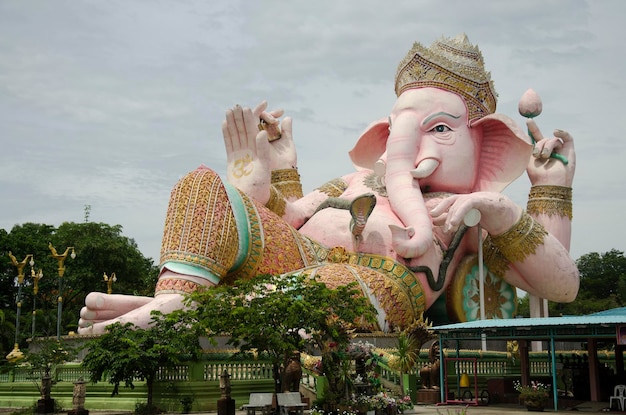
109, 280
61, 259
36, 277
16, 353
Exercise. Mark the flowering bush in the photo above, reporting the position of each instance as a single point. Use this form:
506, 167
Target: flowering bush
379, 402
360, 349
313, 363
534, 394
404, 403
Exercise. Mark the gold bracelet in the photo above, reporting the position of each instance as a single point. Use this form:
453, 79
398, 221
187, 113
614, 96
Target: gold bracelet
334, 188
287, 181
277, 203
285, 175
494, 259
521, 240
550, 200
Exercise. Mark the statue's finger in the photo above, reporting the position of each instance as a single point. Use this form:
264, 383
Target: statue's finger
259, 109
533, 130
228, 142
563, 135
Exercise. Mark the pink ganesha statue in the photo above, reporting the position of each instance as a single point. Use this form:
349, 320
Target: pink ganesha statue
404, 225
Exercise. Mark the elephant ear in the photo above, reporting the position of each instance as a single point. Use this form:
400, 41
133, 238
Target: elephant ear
371, 145
505, 152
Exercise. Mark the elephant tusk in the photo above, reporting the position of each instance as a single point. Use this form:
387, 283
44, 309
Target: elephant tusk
425, 168
380, 167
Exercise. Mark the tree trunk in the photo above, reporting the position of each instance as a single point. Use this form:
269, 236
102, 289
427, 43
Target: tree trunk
149, 385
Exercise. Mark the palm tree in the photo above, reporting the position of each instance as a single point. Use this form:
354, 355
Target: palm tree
410, 342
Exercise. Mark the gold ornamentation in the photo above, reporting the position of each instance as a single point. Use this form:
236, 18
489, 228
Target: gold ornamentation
452, 64
334, 188
285, 175
338, 255
285, 248
242, 167
255, 244
287, 181
383, 265
198, 210
273, 130
277, 203
376, 183
494, 259
521, 240
175, 286
550, 200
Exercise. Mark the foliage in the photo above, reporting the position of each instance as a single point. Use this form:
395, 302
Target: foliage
126, 352
34, 408
99, 248
44, 354
534, 394
405, 357
142, 408
187, 403
382, 401
281, 315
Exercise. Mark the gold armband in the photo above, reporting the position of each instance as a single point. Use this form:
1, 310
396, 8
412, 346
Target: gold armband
334, 188
521, 240
277, 203
494, 259
550, 200
287, 181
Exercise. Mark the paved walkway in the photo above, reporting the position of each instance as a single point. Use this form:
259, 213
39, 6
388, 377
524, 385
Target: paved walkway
587, 408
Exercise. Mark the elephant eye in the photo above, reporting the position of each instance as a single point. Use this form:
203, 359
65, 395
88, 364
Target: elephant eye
441, 128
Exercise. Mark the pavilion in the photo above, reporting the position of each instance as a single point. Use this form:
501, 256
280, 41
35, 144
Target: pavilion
609, 325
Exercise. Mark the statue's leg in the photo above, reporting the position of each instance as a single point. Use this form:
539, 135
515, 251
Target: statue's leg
213, 234
199, 245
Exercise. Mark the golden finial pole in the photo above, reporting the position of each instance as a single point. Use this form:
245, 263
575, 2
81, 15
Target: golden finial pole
36, 276
61, 259
16, 354
109, 280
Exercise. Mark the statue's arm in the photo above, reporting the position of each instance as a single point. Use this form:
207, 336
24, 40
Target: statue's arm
550, 197
530, 248
297, 211
537, 245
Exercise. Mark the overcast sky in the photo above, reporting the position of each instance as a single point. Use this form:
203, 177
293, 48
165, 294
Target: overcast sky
109, 103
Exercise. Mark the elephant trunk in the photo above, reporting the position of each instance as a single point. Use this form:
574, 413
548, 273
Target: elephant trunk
405, 196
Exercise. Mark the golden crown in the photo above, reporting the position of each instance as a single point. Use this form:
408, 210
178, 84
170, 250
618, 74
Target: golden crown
453, 64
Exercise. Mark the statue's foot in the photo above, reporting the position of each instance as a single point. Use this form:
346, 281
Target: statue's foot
102, 310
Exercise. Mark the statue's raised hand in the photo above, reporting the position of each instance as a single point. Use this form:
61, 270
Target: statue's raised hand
257, 143
544, 168
247, 153
282, 149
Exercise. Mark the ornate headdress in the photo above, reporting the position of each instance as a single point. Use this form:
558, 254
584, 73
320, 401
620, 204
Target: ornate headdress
453, 64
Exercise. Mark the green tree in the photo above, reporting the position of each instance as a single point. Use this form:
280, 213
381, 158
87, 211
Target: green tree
7, 334
99, 248
280, 315
408, 348
126, 352
602, 284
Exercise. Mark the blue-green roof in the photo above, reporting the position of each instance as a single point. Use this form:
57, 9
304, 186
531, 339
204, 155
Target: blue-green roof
600, 324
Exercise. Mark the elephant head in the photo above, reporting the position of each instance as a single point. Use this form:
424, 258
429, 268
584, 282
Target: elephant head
442, 136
